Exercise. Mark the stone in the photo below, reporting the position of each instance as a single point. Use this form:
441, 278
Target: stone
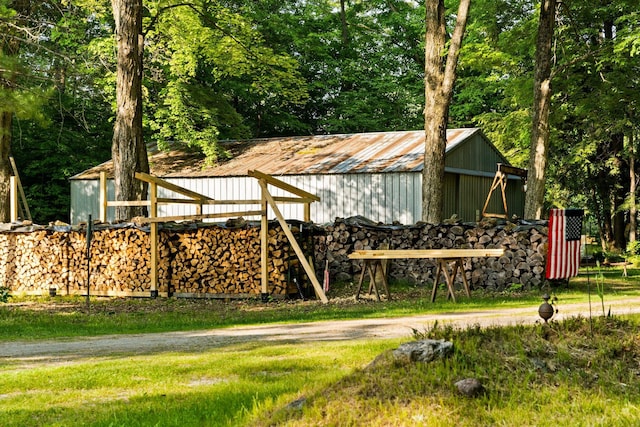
423, 351
470, 387
297, 404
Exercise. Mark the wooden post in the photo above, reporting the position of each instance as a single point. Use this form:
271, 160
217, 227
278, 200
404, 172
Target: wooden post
13, 197
23, 197
264, 246
293, 242
307, 212
153, 237
103, 196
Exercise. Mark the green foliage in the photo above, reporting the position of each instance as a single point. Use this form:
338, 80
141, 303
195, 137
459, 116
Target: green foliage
5, 294
211, 63
633, 248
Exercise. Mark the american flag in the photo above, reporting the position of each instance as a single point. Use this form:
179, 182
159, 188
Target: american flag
563, 255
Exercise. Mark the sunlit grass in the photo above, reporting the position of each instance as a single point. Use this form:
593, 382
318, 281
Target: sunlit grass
213, 387
581, 372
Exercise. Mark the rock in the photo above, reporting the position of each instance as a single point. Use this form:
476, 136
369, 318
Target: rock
470, 387
297, 404
423, 351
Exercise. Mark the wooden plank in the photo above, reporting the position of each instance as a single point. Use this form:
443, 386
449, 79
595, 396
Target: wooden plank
23, 198
294, 243
172, 187
103, 196
13, 199
153, 212
425, 253
164, 200
143, 220
283, 185
264, 247
511, 170
113, 203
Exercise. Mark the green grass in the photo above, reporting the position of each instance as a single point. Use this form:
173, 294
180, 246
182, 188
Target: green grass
573, 373
221, 387
37, 318
580, 372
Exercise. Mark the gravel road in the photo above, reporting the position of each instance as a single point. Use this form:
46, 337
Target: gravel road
68, 350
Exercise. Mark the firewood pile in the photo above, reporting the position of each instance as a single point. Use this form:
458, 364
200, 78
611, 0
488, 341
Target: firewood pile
523, 263
193, 260
199, 259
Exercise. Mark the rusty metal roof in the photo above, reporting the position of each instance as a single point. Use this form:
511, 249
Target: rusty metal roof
375, 152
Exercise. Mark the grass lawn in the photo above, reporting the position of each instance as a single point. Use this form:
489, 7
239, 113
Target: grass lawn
578, 372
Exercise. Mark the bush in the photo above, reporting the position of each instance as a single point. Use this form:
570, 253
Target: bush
633, 248
4, 294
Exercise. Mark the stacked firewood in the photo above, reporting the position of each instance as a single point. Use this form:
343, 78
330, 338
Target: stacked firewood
193, 260
34, 260
523, 262
224, 261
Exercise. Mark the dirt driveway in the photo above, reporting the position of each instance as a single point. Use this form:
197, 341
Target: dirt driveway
65, 351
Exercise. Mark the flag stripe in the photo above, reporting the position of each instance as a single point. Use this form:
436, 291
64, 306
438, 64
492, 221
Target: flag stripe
563, 256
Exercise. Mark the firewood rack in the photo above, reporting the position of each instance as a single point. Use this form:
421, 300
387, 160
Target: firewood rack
199, 200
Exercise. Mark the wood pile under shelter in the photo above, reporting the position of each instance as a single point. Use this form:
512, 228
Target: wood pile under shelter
195, 260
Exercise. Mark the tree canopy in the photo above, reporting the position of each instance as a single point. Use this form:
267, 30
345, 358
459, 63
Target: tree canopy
216, 70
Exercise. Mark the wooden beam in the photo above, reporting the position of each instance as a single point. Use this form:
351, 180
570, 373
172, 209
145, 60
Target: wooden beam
103, 196
13, 199
113, 203
23, 198
172, 187
294, 243
283, 185
425, 253
153, 237
264, 247
511, 170
144, 220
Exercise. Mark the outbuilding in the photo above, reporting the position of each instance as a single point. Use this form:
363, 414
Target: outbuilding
377, 175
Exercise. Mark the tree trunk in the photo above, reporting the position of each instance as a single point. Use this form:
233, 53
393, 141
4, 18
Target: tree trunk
128, 149
439, 79
6, 118
534, 200
343, 22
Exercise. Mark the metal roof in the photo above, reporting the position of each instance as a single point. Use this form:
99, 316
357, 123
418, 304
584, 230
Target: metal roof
375, 152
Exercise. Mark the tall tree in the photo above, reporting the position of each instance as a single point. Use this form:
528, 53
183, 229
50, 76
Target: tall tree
534, 200
128, 150
22, 90
439, 79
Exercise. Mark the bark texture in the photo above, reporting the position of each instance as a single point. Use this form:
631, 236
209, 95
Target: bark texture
534, 200
128, 150
440, 75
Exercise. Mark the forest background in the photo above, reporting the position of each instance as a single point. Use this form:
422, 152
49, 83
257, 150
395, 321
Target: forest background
216, 70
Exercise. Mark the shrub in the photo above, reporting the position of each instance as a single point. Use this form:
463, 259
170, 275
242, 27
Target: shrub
4, 294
